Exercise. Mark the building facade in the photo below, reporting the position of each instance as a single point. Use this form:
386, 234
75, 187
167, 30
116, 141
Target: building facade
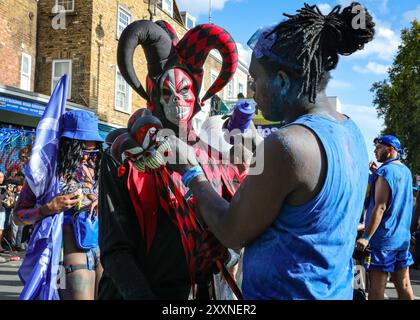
18, 25
83, 42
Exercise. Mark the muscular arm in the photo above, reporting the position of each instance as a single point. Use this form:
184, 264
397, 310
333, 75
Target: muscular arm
116, 241
258, 201
382, 194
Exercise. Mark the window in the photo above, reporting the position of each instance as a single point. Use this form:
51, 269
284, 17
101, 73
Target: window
241, 88
59, 68
230, 92
68, 5
213, 77
25, 72
124, 19
168, 6
189, 20
122, 94
190, 23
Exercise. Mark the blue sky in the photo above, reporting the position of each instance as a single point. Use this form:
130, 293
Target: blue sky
354, 75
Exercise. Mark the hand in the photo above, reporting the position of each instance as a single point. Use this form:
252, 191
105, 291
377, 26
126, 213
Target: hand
373, 166
93, 208
362, 244
233, 271
60, 203
254, 136
182, 157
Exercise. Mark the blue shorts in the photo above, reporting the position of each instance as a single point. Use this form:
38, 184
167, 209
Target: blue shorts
390, 260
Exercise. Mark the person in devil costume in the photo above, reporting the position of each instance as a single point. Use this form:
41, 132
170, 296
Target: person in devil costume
152, 246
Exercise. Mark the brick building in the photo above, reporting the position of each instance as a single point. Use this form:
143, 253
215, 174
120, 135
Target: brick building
83, 43
18, 25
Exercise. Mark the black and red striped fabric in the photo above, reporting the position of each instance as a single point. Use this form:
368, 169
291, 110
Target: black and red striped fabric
164, 189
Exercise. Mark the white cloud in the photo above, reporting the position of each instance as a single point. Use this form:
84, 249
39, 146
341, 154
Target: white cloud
244, 53
412, 14
384, 45
200, 7
366, 119
338, 84
325, 8
384, 7
372, 67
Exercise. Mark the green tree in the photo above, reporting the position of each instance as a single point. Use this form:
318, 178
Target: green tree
397, 99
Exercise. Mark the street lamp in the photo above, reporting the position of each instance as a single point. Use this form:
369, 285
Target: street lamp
210, 11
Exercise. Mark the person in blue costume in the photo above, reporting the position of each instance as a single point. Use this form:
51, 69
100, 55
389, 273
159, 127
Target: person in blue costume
80, 149
388, 220
297, 219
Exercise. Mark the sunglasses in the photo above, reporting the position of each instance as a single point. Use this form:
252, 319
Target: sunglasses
90, 152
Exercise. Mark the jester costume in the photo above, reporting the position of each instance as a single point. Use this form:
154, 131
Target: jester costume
152, 244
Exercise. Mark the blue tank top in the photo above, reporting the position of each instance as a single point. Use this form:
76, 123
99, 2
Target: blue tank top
394, 231
307, 252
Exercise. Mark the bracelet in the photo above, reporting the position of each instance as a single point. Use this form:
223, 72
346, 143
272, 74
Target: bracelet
192, 173
364, 236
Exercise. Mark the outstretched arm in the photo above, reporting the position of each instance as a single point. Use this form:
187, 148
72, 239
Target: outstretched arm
26, 212
258, 201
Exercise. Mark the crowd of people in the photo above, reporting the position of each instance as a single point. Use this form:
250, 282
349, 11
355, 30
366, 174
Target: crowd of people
131, 224
13, 238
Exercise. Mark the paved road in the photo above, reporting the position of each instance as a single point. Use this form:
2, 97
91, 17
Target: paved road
415, 282
10, 285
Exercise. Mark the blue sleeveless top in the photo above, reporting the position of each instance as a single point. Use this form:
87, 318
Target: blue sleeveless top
394, 231
307, 252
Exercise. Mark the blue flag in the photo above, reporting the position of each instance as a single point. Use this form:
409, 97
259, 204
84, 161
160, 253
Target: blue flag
40, 267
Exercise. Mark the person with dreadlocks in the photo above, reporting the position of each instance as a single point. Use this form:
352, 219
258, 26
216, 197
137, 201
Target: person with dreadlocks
298, 219
80, 149
152, 246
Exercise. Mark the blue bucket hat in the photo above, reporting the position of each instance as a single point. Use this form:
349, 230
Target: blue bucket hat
390, 141
80, 125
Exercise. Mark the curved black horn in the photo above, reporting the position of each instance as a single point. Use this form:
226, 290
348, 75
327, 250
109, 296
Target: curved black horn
157, 46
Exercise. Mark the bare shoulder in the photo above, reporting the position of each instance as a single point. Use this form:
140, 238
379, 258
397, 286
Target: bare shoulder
297, 142
303, 158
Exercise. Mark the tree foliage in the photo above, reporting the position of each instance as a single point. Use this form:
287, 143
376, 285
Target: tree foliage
397, 99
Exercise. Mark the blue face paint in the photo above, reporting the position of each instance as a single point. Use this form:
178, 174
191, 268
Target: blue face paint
275, 96
273, 92
284, 95
285, 85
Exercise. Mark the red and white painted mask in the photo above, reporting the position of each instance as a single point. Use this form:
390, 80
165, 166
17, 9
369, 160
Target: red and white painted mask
177, 96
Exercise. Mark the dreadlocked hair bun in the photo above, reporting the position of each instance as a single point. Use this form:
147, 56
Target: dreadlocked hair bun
315, 41
355, 32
